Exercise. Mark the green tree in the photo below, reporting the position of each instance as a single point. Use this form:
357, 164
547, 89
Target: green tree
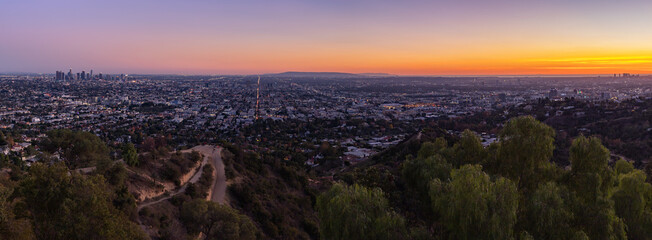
623, 167
67, 205
419, 172
129, 154
591, 176
372, 177
10, 226
471, 206
78, 149
548, 215
431, 148
216, 221
592, 180
124, 201
356, 212
580, 235
469, 150
116, 175
526, 146
633, 203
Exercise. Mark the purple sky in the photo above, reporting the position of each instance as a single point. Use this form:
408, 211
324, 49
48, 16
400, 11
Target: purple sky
247, 36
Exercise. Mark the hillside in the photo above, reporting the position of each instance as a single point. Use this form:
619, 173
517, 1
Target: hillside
508, 190
417, 189
275, 193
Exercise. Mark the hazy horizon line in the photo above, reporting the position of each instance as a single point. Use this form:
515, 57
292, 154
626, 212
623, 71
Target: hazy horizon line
354, 73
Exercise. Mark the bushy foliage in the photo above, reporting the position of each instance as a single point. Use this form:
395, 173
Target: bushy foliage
420, 171
216, 221
129, 154
200, 189
77, 148
273, 192
522, 194
468, 150
623, 167
12, 226
547, 213
526, 146
633, 203
65, 205
472, 206
356, 212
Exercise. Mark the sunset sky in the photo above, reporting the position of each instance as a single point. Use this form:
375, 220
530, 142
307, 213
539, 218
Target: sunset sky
451, 37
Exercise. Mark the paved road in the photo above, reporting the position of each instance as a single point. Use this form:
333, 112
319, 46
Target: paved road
218, 189
219, 185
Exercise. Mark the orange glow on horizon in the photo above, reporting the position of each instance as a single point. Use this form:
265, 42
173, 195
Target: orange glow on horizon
482, 60
398, 37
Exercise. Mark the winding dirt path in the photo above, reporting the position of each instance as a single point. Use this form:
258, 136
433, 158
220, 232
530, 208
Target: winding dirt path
212, 155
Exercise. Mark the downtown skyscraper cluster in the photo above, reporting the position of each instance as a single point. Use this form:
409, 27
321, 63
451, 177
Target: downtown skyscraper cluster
83, 75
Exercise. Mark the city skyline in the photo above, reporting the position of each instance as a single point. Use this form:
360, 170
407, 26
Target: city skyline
83, 75
256, 37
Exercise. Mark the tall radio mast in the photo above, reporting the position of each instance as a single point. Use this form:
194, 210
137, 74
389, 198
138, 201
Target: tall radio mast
258, 99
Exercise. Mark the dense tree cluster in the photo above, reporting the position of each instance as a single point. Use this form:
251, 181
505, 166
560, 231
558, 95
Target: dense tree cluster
473, 206
77, 148
507, 190
51, 200
449, 187
356, 212
66, 205
216, 221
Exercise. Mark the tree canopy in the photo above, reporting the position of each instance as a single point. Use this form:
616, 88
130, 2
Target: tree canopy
633, 203
526, 146
77, 148
472, 206
356, 212
129, 154
66, 205
468, 150
522, 194
216, 221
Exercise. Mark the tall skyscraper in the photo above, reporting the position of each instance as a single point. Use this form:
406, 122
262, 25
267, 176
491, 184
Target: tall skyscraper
83, 75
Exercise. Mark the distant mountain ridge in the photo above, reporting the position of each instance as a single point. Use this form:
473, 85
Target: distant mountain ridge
327, 75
